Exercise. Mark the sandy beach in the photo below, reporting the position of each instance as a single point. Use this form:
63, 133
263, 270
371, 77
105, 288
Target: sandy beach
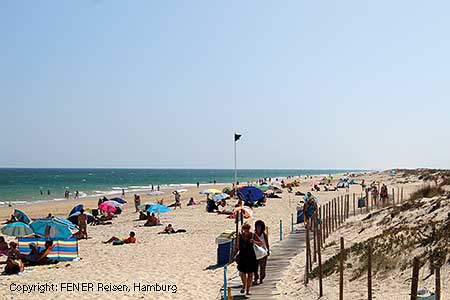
180, 259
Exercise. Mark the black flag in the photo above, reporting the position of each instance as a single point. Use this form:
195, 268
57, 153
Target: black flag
237, 136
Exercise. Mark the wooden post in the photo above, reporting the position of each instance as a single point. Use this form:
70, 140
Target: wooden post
292, 222
322, 228
319, 236
393, 197
354, 206
336, 213
401, 195
306, 279
437, 281
398, 194
315, 244
339, 211
367, 200
369, 272
332, 215
325, 223
341, 271
225, 290
415, 278
281, 230
347, 206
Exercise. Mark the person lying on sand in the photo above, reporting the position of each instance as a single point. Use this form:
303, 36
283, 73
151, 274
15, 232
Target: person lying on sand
152, 220
10, 220
117, 241
169, 229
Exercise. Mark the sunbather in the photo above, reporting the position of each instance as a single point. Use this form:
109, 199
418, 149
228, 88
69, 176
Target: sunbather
118, 241
14, 264
11, 220
3, 246
152, 220
169, 229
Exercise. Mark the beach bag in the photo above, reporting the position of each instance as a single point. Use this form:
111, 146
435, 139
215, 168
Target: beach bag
300, 217
260, 252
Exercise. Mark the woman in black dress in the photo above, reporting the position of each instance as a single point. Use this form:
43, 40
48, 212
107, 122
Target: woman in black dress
246, 259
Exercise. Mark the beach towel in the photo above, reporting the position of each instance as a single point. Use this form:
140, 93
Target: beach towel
63, 250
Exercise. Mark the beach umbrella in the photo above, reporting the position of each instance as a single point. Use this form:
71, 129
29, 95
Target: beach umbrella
143, 205
247, 211
21, 216
115, 203
159, 208
51, 228
263, 187
227, 190
221, 196
108, 207
66, 222
120, 200
74, 217
210, 191
155, 193
76, 208
250, 194
17, 229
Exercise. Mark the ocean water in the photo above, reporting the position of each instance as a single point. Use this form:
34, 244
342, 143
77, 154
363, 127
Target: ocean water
25, 185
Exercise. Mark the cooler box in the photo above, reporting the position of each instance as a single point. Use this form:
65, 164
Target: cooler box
225, 248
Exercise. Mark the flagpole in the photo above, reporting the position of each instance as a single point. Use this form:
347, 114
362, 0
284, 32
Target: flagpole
235, 166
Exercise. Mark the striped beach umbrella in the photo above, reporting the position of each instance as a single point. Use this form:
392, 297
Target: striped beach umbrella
16, 229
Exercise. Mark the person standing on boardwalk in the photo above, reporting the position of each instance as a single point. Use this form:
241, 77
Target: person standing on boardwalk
247, 264
260, 232
309, 208
384, 195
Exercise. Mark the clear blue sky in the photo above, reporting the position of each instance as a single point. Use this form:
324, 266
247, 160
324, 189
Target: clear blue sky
309, 84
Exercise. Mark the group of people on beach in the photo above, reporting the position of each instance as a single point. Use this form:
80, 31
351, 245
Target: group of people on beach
16, 261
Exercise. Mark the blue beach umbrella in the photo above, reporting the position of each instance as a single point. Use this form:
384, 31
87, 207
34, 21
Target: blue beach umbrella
250, 194
119, 200
221, 196
159, 208
17, 229
21, 216
51, 228
74, 217
63, 221
76, 209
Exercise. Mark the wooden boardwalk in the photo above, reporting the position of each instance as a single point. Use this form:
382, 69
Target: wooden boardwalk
279, 260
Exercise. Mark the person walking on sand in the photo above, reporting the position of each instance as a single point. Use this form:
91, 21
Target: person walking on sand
77, 194
260, 232
82, 224
123, 192
137, 202
247, 264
